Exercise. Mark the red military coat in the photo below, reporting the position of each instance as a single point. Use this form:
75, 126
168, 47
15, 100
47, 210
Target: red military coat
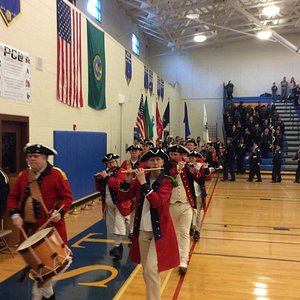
164, 233
56, 191
113, 181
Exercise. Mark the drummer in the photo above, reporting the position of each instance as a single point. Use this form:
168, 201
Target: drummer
41, 192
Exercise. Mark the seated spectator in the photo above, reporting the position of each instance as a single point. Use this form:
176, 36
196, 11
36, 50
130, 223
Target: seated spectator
266, 143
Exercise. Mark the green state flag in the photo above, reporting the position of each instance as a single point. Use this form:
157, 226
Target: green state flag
149, 126
96, 67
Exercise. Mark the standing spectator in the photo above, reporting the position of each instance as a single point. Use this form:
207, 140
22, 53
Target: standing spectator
154, 240
284, 89
254, 163
116, 213
229, 90
240, 156
274, 89
292, 86
297, 157
229, 157
4, 189
277, 161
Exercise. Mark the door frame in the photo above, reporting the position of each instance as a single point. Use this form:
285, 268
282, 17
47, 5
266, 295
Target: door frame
22, 122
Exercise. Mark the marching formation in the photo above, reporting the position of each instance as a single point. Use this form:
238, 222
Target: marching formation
154, 198
165, 188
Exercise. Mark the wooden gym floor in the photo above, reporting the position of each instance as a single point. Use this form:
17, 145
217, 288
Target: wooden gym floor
249, 247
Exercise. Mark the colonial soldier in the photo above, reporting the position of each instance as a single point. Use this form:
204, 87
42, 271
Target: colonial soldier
297, 157
183, 200
277, 162
116, 213
41, 193
254, 163
200, 193
134, 161
131, 164
146, 145
154, 242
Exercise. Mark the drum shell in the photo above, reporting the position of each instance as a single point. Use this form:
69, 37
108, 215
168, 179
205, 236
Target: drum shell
47, 256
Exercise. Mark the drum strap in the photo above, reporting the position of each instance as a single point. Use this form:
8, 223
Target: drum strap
35, 190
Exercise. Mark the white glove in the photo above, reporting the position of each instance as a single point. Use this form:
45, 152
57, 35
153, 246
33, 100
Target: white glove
55, 216
18, 221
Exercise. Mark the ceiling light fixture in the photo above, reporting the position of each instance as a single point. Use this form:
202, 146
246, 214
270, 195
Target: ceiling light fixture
193, 16
271, 11
264, 34
199, 38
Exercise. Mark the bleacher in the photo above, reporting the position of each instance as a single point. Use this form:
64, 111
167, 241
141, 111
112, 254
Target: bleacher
266, 164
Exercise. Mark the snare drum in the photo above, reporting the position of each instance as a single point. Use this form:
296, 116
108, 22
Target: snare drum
45, 254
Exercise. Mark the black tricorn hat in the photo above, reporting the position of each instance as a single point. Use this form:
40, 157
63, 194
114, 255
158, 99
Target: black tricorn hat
194, 153
109, 156
134, 147
39, 149
178, 148
190, 140
155, 152
147, 142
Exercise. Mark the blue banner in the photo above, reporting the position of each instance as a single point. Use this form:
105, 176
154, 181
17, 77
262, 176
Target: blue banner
150, 81
9, 9
158, 87
146, 78
162, 89
128, 69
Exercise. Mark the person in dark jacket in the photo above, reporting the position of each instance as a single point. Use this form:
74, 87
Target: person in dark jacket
277, 162
229, 158
254, 163
4, 189
240, 157
297, 157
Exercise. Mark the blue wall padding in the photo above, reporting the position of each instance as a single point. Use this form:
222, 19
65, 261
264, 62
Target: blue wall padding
79, 156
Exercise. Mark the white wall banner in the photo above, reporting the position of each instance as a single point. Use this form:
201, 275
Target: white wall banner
15, 74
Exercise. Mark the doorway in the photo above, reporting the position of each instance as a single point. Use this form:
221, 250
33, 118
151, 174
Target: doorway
14, 132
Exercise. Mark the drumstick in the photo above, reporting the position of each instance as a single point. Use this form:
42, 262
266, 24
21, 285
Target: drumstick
133, 171
48, 221
24, 233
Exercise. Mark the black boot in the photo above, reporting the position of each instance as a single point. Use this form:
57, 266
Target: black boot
51, 298
117, 252
196, 236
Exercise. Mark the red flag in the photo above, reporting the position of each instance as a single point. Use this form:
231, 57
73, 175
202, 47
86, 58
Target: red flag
140, 120
159, 124
69, 70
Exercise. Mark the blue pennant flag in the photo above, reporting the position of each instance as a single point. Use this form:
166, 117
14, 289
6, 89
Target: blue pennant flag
128, 66
166, 116
9, 9
186, 121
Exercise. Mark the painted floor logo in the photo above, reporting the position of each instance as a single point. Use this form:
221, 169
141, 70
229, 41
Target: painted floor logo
93, 274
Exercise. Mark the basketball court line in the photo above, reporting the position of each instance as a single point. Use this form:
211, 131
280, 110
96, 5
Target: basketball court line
247, 257
181, 278
251, 241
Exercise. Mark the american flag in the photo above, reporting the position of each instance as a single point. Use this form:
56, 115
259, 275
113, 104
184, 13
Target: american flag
69, 70
140, 120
